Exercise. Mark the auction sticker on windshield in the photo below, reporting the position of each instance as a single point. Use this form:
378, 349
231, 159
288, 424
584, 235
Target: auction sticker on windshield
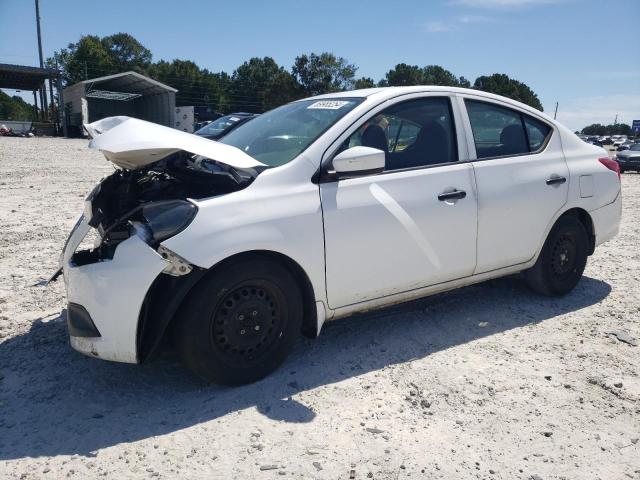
328, 104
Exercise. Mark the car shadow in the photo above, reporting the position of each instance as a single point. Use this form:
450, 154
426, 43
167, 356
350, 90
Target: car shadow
54, 401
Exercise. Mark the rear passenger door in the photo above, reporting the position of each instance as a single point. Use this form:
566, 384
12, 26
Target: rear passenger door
522, 180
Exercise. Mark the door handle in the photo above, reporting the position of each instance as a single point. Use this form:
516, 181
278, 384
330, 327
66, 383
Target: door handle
455, 195
556, 180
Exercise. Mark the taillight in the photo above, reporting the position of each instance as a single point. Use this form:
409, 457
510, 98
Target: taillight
610, 164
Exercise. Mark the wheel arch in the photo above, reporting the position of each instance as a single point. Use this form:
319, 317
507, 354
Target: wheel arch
167, 295
586, 221
310, 321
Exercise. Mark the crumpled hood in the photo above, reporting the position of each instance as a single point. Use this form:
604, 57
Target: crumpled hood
132, 143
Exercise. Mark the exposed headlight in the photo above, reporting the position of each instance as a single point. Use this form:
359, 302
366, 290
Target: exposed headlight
166, 219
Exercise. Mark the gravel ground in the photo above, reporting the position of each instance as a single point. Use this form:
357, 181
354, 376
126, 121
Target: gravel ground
490, 381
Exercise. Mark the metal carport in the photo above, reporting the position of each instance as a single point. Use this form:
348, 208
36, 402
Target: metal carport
23, 77
128, 93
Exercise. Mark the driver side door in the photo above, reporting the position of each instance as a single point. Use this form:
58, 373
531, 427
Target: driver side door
414, 224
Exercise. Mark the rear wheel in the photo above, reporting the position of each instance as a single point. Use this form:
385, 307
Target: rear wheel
240, 323
562, 259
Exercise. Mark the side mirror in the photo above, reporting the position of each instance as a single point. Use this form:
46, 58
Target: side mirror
358, 161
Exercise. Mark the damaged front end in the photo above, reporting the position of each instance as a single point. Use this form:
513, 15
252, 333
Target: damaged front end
155, 204
124, 288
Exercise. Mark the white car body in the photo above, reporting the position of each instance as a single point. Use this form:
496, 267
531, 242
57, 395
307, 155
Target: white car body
340, 233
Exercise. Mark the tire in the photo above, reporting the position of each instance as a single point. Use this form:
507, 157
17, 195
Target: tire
240, 322
562, 259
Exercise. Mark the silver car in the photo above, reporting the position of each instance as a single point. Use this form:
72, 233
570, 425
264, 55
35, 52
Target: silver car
629, 159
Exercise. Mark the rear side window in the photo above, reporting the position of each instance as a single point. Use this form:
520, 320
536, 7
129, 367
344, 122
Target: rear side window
499, 131
537, 132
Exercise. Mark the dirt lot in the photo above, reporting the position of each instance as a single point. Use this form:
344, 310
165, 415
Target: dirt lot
491, 381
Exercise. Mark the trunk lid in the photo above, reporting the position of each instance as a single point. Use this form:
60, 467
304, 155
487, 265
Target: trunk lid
132, 143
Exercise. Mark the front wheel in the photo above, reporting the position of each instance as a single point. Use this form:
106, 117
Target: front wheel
240, 322
562, 259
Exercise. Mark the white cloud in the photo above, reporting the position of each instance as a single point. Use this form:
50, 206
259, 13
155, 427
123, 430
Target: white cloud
436, 27
473, 19
577, 113
504, 4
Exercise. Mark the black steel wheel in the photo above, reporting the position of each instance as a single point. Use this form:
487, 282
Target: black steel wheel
562, 260
247, 321
240, 322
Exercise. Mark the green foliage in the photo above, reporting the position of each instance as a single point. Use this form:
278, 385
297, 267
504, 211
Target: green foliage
323, 73
15, 108
196, 86
406, 75
364, 82
93, 56
259, 84
501, 84
613, 129
126, 53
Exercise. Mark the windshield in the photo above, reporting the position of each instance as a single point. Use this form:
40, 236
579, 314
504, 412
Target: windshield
218, 126
635, 147
277, 137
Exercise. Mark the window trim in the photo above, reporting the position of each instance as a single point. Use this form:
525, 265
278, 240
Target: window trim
490, 101
325, 175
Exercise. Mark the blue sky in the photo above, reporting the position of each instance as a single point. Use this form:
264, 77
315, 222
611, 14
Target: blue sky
583, 54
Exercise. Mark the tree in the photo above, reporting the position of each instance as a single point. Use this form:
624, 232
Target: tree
406, 75
93, 56
323, 73
402, 75
126, 52
195, 86
260, 84
613, 129
364, 82
15, 108
501, 84
282, 89
85, 59
436, 75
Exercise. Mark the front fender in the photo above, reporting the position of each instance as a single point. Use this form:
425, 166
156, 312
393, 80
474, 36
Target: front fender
285, 219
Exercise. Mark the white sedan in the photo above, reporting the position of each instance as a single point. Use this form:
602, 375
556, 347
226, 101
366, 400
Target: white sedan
321, 208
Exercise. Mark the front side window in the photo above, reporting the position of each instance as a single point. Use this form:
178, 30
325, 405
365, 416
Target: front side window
278, 136
499, 131
414, 133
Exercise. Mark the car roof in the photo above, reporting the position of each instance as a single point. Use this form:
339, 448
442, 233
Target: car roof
385, 93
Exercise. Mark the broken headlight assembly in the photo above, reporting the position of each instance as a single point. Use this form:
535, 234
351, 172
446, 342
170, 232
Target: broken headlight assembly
165, 219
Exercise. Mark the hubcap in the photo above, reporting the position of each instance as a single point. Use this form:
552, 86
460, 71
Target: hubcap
563, 257
246, 322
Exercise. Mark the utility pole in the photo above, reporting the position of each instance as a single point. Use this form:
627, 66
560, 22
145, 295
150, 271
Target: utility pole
615, 122
556, 112
43, 91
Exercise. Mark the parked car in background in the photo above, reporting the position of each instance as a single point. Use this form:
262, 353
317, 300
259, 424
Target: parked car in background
223, 125
605, 140
625, 145
319, 209
629, 159
618, 140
